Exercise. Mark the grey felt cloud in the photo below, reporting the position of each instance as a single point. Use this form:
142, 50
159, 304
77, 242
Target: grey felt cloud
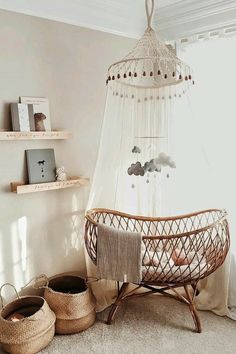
164, 160
136, 169
136, 150
154, 165
151, 166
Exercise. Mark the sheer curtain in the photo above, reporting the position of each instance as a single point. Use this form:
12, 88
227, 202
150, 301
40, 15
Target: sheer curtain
200, 130
134, 119
214, 107
135, 131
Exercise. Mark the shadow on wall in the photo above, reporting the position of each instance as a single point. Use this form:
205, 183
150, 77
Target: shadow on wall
55, 247
5, 112
62, 249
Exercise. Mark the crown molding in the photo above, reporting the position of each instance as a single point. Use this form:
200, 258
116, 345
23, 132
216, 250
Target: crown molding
191, 17
173, 19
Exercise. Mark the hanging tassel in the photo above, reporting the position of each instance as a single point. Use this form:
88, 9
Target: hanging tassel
135, 75
151, 73
144, 73
118, 76
159, 72
125, 76
165, 76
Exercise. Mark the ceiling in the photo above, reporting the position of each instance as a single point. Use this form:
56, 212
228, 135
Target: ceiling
174, 19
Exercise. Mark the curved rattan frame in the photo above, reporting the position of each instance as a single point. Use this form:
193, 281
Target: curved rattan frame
206, 230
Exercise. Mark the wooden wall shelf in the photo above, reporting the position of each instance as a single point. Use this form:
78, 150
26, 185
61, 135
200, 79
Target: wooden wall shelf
21, 188
11, 135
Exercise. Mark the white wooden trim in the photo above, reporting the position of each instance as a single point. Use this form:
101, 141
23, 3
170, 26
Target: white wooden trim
173, 19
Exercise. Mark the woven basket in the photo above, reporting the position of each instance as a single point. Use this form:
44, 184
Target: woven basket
73, 303
30, 334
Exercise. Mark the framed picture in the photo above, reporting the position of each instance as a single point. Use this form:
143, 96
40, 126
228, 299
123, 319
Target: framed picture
22, 116
41, 165
41, 112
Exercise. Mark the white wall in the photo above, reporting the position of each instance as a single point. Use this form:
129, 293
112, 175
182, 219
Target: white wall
41, 232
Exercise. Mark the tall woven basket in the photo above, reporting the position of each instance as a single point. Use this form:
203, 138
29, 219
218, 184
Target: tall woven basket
30, 334
73, 303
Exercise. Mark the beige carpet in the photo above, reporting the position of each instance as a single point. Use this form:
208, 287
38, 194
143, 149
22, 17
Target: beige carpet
151, 325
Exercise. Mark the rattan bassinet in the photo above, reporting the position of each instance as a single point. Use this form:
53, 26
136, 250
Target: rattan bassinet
177, 251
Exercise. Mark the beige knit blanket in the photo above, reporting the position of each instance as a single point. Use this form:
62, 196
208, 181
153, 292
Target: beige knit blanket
119, 255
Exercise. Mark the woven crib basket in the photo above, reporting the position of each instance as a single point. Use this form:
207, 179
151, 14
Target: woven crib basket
30, 334
73, 303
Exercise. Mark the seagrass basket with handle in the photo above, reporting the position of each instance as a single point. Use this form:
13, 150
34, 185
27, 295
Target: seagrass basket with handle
72, 301
33, 331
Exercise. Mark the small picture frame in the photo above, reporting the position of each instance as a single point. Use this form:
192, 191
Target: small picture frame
41, 165
22, 116
40, 111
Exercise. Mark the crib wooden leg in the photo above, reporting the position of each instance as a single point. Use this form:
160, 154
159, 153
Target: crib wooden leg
193, 310
195, 289
116, 304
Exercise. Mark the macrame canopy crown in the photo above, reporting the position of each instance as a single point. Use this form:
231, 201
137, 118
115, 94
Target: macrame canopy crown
151, 63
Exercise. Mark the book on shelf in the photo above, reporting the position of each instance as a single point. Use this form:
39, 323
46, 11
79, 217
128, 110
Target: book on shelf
22, 117
41, 165
41, 112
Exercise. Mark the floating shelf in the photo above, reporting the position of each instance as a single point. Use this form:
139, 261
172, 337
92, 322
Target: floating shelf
21, 188
11, 135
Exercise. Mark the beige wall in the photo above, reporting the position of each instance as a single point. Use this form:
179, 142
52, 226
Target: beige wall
41, 232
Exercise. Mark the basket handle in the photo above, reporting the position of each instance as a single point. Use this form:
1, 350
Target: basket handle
90, 280
42, 277
35, 280
1, 298
87, 279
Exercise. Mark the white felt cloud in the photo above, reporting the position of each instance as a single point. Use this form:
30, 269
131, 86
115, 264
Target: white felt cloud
164, 160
